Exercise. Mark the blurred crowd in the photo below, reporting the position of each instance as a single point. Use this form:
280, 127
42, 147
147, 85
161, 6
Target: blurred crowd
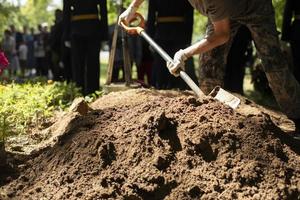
69, 50
35, 52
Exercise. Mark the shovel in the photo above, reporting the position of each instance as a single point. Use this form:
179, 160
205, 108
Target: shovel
217, 93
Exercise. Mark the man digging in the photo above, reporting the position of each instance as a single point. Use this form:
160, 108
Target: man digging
224, 19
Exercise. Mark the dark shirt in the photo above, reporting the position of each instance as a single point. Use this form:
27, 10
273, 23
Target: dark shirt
96, 27
176, 30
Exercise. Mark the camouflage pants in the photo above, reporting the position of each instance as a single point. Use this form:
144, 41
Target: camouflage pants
261, 23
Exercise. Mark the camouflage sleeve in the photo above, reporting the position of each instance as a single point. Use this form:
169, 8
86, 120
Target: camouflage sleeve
216, 9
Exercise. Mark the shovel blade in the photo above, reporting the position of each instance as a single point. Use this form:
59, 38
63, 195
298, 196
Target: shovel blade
225, 97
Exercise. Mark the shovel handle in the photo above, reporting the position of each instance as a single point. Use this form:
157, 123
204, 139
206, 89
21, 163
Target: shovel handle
140, 30
137, 29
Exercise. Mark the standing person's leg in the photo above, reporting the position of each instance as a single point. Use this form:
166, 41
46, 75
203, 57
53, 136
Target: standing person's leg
78, 54
148, 70
213, 63
22, 66
117, 67
66, 59
38, 66
158, 79
164, 76
236, 61
92, 70
44, 66
141, 71
285, 87
54, 65
160, 73
295, 46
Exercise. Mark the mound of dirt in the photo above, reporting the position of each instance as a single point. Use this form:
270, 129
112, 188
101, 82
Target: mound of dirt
164, 147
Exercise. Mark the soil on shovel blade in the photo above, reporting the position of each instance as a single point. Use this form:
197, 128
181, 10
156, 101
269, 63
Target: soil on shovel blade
143, 144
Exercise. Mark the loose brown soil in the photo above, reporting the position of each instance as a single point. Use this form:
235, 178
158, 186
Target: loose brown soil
143, 144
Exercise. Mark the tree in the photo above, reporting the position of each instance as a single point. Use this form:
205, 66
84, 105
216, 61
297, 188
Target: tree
34, 12
6, 11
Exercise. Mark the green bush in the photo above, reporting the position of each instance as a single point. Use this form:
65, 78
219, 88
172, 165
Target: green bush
29, 104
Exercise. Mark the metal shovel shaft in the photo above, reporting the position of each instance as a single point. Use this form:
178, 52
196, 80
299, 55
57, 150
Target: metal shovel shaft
167, 58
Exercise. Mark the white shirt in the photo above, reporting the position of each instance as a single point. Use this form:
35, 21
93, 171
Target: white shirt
39, 50
23, 50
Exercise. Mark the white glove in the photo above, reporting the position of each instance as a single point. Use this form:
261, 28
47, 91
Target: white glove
67, 44
178, 63
127, 15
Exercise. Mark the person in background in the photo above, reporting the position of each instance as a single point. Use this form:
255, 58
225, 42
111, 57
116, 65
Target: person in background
55, 46
66, 55
171, 27
48, 52
23, 52
291, 32
135, 50
8, 45
9, 48
240, 53
86, 24
15, 63
30, 45
40, 53
28, 38
18, 36
144, 69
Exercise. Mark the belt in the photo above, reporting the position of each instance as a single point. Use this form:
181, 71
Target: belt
169, 19
297, 17
84, 17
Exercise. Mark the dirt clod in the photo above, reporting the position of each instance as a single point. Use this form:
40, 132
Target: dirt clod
79, 105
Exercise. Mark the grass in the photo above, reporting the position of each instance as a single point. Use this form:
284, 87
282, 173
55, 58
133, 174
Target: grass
32, 103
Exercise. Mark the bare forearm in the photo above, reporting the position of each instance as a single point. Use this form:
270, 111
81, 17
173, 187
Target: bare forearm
206, 44
219, 36
136, 3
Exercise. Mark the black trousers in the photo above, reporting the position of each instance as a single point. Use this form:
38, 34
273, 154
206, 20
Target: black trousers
236, 61
85, 63
161, 77
66, 59
295, 46
41, 66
